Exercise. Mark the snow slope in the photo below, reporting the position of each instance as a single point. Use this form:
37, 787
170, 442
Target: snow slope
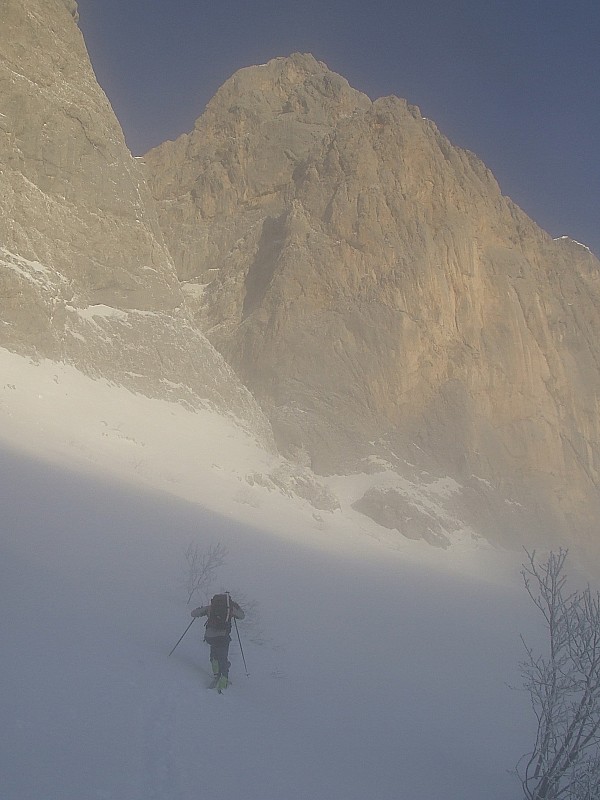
374, 671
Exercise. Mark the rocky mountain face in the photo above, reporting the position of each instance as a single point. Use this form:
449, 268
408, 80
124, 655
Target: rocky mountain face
85, 276
365, 280
387, 305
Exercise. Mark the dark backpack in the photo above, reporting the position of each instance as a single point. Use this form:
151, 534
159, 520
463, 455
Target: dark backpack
219, 615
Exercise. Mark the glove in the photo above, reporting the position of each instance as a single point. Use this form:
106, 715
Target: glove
196, 612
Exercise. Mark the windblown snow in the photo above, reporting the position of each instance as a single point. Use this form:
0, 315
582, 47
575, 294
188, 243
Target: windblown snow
378, 667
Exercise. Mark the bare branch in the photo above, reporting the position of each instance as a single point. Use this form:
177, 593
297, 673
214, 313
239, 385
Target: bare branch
201, 566
564, 687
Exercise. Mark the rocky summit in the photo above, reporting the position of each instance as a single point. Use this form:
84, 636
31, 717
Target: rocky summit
387, 305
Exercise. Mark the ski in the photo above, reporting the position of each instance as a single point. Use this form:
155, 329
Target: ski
219, 682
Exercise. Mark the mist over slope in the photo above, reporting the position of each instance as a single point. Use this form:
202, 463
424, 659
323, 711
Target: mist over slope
424, 358
365, 658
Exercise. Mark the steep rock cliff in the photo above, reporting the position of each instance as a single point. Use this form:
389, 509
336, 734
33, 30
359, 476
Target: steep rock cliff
374, 288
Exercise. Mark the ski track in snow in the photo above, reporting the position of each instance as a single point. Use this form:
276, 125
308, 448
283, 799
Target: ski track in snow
160, 774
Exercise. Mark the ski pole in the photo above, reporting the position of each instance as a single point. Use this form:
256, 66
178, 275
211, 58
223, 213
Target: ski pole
241, 648
183, 634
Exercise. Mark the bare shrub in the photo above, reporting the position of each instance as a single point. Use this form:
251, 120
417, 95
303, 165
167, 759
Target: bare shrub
201, 564
564, 687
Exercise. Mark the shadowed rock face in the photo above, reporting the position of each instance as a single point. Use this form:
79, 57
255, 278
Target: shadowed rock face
73, 198
84, 272
373, 287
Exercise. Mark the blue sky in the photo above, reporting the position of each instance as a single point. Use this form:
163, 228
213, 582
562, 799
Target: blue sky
515, 81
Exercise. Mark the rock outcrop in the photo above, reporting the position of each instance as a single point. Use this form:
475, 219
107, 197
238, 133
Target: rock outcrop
380, 296
72, 7
84, 273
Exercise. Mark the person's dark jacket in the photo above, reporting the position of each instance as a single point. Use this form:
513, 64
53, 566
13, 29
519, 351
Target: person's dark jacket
235, 610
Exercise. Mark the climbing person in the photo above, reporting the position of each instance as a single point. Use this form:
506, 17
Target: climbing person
220, 611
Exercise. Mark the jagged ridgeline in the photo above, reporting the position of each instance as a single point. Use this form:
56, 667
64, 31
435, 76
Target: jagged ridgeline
362, 278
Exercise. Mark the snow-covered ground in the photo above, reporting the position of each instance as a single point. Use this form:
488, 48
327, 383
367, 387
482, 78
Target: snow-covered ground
377, 669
